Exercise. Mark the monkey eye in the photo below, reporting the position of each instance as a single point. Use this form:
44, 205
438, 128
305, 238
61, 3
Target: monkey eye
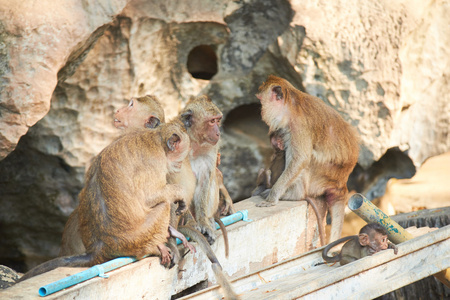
131, 103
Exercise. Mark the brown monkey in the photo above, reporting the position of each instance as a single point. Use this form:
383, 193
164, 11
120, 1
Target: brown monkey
186, 224
321, 148
267, 177
186, 179
201, 118
140, 112
372, 238
124, 207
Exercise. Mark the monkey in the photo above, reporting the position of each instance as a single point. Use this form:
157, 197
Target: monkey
201, 118
140, 112
321, 148
372, 238
267, 177
186, 224
124, 207
187, 180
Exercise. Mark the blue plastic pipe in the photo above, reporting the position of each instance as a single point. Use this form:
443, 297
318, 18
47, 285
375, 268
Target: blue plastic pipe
97, 270
100, 270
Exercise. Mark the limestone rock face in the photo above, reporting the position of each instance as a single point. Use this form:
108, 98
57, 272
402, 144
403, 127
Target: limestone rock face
383, 65
37, 40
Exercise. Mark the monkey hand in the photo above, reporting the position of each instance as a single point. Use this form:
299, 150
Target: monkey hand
394, 247
166, 256
267, 203
182, 207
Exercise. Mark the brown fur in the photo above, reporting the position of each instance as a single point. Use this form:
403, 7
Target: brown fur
124, 207
321, 148
201, 118
372, 238
142, 112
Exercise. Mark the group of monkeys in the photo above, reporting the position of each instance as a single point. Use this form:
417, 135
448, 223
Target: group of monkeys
159, 181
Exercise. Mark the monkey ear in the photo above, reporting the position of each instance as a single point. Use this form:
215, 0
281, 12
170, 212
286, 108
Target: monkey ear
173, 142
363, 239
277, 93
152, 122
186, 118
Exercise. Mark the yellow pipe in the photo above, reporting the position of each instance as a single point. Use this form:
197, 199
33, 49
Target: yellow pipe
396, 233
372, 214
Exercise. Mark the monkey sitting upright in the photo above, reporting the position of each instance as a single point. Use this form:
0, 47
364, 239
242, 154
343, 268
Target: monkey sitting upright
125, 204
372, 238
141, 112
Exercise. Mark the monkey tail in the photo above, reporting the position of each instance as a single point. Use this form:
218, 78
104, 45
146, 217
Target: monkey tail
320, 224
83, 260
215, 265
201, 241
333, 259
225, 235
228, 291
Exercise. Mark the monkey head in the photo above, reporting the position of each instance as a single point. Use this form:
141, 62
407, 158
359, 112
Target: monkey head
373, 236
140, 112
276, 96
202, 118
276, 139
176, 145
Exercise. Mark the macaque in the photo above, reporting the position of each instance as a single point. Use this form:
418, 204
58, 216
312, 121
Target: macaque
201, 118
321, 148
267, 177
184, 178
186, 225
142, 112
372, 238
124, 207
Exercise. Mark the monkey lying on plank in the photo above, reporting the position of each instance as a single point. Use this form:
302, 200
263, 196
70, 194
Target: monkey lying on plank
372, 238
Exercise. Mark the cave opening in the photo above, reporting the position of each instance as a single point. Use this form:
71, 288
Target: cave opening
202, 62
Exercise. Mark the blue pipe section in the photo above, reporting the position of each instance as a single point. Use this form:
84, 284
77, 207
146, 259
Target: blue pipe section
100, 270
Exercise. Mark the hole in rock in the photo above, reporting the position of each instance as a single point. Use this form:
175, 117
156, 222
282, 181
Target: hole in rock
372, 181
202, 62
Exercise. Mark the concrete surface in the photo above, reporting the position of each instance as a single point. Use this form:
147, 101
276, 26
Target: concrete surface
274, 234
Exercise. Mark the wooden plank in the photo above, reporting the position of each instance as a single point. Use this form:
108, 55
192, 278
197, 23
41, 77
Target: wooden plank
298, 277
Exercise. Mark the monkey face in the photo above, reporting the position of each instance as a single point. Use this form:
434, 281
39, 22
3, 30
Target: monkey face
212, 129
378, 242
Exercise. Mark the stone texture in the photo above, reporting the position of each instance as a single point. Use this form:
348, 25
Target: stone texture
382, 64
37, 40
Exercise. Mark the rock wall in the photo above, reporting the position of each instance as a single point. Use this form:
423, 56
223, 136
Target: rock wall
384, 65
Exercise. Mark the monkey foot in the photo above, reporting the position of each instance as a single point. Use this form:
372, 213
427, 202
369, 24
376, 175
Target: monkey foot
266, 204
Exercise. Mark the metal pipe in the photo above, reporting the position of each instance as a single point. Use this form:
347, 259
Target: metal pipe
100, 270
372, 214
396, 233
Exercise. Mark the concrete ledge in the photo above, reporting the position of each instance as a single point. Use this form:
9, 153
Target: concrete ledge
274, 234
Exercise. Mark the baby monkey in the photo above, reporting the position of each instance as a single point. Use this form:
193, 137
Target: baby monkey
267, 177
372, 238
